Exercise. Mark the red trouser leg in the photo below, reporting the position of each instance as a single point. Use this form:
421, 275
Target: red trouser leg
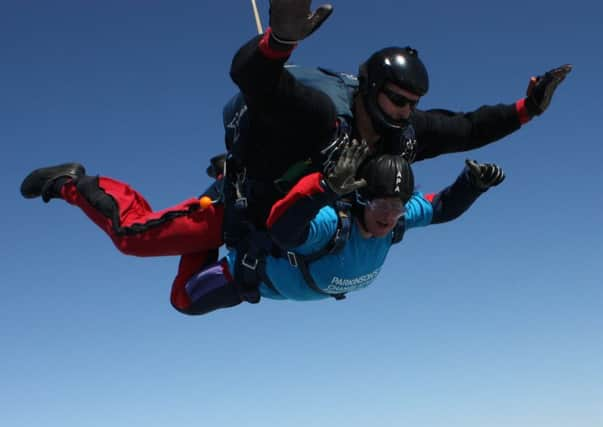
135, 229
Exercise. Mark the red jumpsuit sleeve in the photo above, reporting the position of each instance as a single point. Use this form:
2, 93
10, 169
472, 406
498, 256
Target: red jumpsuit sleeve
290, 217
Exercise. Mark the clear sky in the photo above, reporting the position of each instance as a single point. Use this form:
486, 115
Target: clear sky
492, 320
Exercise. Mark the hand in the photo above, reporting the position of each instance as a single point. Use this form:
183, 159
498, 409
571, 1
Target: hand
484, 175
341, 179
292, 20
541, 89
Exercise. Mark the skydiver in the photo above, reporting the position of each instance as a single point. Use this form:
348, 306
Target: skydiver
289, 122
286, 114
318, 247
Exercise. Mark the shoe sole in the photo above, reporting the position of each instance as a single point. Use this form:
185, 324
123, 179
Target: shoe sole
33, 184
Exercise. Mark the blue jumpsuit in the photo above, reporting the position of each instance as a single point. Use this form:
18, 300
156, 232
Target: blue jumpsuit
354, 268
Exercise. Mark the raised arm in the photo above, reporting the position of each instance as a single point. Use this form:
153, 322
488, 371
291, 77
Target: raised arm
258, 67
290, 218
284, 114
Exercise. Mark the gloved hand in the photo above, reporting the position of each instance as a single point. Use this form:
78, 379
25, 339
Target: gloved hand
292, 20
540, 90
484, 175
341, 179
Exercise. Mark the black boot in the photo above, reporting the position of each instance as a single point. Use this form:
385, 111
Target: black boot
47, 182
216, 166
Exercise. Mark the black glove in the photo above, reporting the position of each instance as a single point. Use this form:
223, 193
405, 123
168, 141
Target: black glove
341, 178
292, 20
541, 89
484, 175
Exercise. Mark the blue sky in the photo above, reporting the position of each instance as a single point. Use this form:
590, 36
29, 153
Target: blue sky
493, 320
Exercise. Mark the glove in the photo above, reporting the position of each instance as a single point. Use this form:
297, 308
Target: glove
484, 175
341, 179
540, 90
292, 20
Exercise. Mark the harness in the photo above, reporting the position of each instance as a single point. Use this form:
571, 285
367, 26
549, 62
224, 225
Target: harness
250, 265
241, 192
337, 243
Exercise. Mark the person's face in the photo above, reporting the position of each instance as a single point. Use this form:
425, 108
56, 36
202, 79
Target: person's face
382, 214
397, 103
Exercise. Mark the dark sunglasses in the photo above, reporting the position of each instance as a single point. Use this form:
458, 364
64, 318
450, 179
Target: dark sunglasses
399, 100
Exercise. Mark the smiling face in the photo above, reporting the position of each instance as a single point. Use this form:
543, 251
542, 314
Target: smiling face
389, 185
381, 215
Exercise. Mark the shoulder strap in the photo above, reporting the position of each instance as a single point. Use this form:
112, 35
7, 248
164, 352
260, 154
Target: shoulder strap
337, 243
342, 235
398, 231
250, 265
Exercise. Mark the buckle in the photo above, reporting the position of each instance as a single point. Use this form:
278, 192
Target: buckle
252, 264
241, 203
292, 258
337, 234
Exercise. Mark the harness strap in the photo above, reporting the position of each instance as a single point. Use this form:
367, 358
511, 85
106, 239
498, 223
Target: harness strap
342, 235
300, 262
252, 271
399, 230
250, 265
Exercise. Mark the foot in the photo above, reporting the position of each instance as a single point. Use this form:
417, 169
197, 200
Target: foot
216, 166
40, 181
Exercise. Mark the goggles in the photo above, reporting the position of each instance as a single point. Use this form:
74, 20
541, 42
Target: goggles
398, 99
386, 206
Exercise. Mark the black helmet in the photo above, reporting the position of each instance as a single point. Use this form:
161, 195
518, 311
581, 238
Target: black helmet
388, 175
400, 66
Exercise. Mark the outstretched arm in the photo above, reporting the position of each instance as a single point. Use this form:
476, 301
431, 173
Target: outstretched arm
454, 200
443, 131
475, 179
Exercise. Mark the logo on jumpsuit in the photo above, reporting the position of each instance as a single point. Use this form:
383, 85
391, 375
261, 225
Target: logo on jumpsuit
339, 284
